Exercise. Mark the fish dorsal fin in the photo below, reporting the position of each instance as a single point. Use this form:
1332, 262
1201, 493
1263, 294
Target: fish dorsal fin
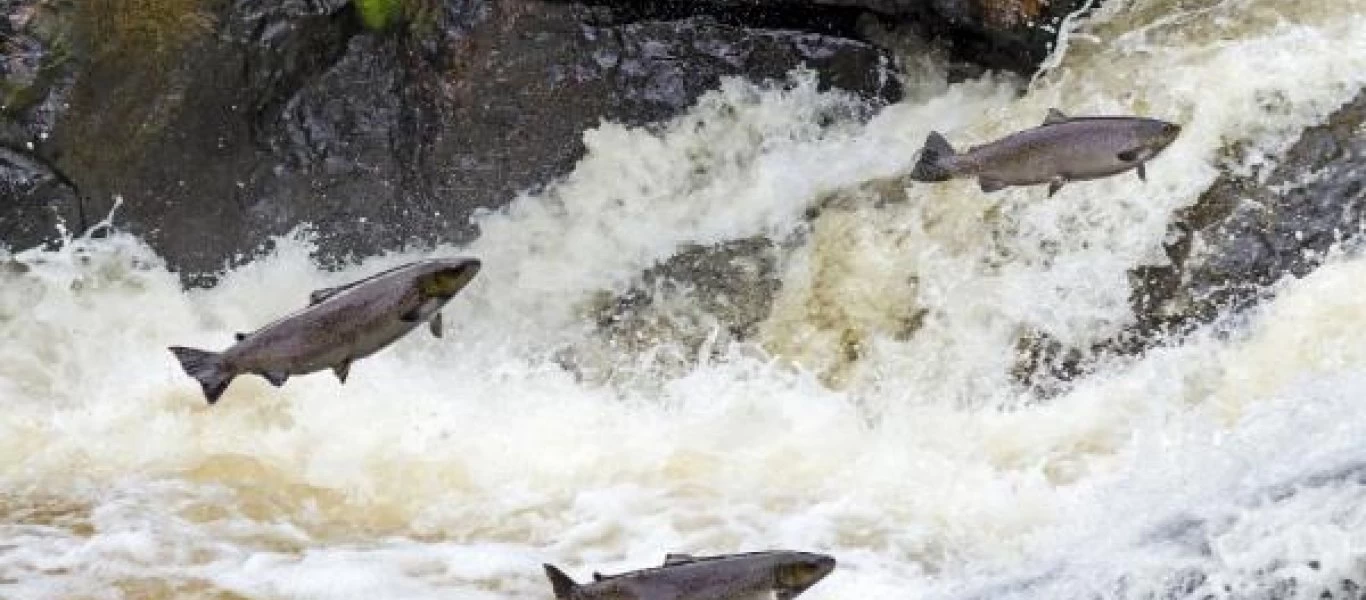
325, 293
239, 336
675, 558
559, 582
1054, 117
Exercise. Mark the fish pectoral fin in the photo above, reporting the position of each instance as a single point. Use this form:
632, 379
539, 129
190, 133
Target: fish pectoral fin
423, 311
341, 370
1128, 156
1054, 117
1055, 185
435, 325
276, 378
990, 184
673, 558
1142, 172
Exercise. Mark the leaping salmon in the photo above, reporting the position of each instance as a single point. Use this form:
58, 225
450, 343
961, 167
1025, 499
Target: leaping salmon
339, 326
1063, 149
782, 574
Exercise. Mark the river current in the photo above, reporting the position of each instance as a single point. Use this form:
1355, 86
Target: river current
1230, 464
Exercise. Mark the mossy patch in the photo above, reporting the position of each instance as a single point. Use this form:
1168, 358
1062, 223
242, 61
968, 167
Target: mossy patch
380, 15
149, 30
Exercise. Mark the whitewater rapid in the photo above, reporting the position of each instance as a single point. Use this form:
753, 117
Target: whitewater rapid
1224, 465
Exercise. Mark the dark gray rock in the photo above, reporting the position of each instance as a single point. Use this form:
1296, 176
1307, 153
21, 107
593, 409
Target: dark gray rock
238, 121
686, 308
1014, 35
40, 198
1242, 235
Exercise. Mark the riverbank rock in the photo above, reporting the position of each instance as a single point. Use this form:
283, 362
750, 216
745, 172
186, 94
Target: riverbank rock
1014, 35
222, 124
1243, 235
1228, 250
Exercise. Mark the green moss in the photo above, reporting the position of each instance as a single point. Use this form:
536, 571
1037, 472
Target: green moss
378, 15
142, 29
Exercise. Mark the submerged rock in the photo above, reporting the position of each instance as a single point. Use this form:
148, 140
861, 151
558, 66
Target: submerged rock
681, 310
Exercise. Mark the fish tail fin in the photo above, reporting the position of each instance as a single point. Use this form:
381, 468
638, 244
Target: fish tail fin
207, 368
564, 586
934, 158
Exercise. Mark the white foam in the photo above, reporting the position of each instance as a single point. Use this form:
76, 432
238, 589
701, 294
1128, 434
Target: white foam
452, 468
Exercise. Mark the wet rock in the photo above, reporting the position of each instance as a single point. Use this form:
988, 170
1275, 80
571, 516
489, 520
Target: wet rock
222, 124
1001, 34
1243, 235
40, 200
734, 281
681, 310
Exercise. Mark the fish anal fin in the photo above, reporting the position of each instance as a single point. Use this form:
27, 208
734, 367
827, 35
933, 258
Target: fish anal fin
1054, 117
276, 378
1056, 184
341, 370
1142, 172
678, 558
435, 325
990, 184
563, 586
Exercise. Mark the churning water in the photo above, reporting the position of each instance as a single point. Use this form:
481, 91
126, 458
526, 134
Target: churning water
1230, 466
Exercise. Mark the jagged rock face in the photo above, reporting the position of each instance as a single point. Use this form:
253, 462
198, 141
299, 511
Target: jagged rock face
239, 120
1243, 235
1014, 35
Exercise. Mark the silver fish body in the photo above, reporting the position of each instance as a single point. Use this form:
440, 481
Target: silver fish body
746, 576
340, 326
1061, 150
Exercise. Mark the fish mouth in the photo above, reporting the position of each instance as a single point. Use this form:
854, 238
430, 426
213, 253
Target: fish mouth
813, 570
1169, 133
